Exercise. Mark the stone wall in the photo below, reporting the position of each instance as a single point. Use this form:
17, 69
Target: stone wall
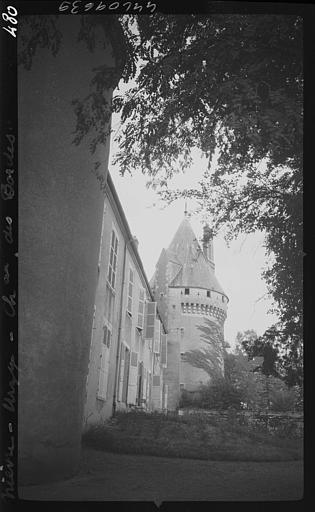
289, 424
60, 218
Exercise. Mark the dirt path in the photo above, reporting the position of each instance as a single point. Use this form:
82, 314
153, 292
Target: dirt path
106, 476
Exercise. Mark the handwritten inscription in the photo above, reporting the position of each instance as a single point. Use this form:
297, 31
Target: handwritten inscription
7, 188
9, 400
8, 478
6, 276
77, 6
10, 16
8, 230
9, 304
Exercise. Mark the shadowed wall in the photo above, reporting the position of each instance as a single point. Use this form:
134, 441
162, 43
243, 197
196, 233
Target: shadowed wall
60, 215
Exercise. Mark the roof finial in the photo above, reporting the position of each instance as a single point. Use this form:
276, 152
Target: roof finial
186, 212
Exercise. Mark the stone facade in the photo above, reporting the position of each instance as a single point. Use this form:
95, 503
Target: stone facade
82, 353
125, 364
188, 294
60, 220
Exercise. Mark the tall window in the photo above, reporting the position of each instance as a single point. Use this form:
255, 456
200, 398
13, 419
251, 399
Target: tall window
112, 267
137, 341
124, 374
150, 320
103, 372
141, 309
128, 329
164, 350
130, 291
109, 304
157, 336
107, 338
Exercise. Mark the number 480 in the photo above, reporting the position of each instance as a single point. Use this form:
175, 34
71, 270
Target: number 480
11, 18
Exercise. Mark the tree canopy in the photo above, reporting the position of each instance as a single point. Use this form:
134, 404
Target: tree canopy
231, 86
209, 357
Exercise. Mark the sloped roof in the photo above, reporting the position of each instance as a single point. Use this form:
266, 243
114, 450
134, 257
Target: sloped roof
195, 271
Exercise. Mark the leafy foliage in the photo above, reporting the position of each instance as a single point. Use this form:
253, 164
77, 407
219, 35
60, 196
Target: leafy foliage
221, 394
282, 360
231, 86
38, 31
259, 377
283, 400
232, 81
209, 357
239, 371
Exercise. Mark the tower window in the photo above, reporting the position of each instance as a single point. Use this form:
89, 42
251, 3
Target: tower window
186, 291
208, 293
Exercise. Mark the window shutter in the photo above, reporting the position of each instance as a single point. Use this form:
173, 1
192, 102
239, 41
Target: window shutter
112, 266
141, 309
150, 320
103, 375
157, 337
109, 303
107, 336
134, 359
156, 380
164, 350
130, 292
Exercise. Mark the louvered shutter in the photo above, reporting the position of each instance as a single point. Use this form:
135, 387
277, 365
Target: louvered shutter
164, 350
157, 337
144, 387
134, 359
150, 320
141, 309
156, 380
130, 291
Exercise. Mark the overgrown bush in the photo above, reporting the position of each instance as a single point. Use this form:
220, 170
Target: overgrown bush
220, 394
283, 400
197, 436
190, 399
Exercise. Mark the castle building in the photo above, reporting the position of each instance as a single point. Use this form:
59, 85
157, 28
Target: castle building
91, 339
189, 298
128, 338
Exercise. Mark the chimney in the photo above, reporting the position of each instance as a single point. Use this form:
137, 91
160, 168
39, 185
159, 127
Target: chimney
207, 245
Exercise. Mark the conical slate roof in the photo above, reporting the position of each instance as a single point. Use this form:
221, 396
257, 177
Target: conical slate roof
195, 270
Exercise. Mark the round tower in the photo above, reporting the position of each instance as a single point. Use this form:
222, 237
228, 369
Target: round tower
195, 309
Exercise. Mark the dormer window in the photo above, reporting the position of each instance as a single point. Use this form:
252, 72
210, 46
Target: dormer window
208, 293
186, 291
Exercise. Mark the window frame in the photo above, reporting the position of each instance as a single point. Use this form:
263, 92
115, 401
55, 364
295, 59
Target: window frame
141, 314
112, 270
132, 284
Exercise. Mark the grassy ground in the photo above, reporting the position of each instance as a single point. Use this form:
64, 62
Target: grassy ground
142, 478
190, 437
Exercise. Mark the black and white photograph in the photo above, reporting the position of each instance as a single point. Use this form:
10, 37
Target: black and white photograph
152, 263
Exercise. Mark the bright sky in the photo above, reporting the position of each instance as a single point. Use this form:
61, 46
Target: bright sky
238, 267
